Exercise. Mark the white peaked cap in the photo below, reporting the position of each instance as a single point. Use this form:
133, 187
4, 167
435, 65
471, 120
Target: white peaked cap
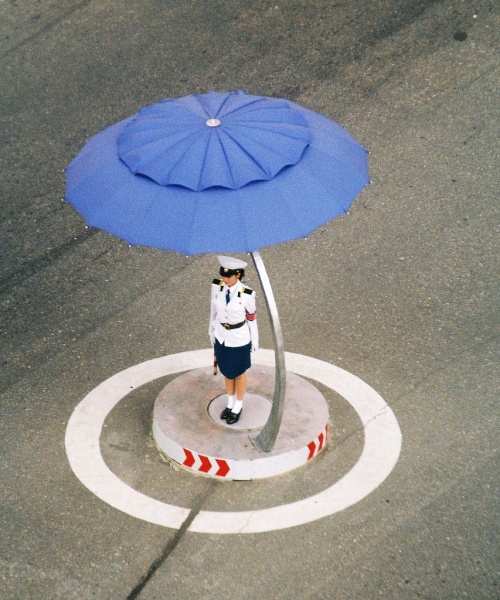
230, 263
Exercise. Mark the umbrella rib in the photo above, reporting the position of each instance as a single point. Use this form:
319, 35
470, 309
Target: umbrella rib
168, 150
189, 245
279, 103
226, 99
227, 158
292, 211
264, 127
342, 158
264, 171
304, 232
240, 107
353, 167
200, 174
146, 210
207, 112
189, 250
243, 229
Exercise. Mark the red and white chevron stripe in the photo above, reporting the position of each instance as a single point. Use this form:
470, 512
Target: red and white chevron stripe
215, 467
318, 444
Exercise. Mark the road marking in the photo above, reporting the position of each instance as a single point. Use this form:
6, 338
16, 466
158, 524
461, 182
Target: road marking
379, 456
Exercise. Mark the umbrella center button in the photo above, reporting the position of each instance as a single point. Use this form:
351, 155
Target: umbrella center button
212, 122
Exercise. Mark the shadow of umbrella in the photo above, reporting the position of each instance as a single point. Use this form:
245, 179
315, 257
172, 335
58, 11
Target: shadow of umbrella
177, 173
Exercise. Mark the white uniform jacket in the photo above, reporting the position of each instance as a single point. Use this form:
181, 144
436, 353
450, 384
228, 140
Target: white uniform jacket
241, 308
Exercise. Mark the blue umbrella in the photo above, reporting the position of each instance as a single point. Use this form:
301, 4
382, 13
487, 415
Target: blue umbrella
177, 173
222, 173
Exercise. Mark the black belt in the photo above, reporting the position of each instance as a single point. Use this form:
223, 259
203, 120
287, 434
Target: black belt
235, 326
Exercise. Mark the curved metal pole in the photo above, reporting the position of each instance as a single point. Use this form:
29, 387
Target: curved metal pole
266, 438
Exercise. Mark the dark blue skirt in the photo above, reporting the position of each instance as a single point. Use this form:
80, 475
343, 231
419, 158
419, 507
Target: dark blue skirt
233, 361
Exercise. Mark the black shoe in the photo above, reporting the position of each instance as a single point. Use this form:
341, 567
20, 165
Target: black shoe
225, 413
233, 418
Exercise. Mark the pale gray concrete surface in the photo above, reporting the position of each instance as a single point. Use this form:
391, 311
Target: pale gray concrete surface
183, 413
401, 292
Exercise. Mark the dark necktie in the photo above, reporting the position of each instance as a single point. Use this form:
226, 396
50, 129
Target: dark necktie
227, 296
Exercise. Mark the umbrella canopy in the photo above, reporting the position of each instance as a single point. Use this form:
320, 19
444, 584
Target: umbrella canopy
218, 173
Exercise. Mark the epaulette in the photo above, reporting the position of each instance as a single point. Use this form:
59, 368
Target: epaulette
217, 282
247, 290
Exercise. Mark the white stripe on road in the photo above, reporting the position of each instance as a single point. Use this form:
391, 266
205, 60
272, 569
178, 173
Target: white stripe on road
380, 452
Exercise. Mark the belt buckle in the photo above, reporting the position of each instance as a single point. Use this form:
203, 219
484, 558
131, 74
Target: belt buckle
226, 326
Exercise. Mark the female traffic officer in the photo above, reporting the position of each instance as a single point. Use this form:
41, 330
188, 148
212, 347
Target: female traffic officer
233, 331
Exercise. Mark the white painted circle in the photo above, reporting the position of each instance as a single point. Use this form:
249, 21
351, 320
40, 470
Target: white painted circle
380, 452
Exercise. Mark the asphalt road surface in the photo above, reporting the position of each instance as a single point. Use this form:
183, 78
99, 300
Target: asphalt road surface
401, 292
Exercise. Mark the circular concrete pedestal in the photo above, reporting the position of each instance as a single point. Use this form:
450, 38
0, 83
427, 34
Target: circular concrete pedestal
188, 430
